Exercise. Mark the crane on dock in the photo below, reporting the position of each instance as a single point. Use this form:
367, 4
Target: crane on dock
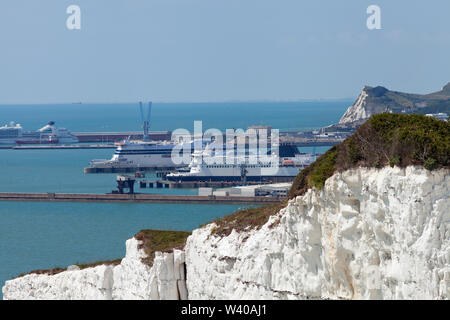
145, 120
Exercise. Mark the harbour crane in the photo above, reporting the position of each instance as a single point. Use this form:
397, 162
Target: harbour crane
145, 120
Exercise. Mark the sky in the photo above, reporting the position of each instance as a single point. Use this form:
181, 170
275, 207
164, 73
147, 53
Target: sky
219, 50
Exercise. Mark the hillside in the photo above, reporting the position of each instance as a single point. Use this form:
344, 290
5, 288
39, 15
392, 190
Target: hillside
385, 139
374, 100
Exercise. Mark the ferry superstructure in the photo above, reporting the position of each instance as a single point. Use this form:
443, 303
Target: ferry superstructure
136, 155
10, 132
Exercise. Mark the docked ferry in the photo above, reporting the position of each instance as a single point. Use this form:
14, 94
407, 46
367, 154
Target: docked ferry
209, 167
141, 155
135, 155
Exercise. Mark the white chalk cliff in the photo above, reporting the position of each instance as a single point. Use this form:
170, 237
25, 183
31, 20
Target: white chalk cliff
130, 280
368, 234
363, 108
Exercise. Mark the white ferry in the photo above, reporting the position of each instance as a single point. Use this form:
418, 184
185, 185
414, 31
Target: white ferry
207, 167
14, 134
140, 155
135, 155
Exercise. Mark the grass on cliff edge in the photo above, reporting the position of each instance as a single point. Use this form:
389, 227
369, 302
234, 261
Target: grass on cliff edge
158, 240
240, 220
82, 266
385, 139
152, 241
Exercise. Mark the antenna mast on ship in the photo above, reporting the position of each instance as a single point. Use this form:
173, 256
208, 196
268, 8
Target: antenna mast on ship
146, 120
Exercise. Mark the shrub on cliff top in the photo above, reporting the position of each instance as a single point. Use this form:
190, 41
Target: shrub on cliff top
385, 139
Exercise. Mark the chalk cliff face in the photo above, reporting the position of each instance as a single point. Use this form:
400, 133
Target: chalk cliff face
361, 109
368, 234
130, 280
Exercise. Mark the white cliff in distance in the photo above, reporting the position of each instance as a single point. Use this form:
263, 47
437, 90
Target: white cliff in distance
374, 100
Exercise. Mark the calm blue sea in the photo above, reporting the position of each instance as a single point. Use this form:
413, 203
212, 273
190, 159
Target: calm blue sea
46, 235
285, 116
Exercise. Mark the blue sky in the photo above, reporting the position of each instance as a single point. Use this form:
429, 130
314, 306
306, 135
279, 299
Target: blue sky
216, 50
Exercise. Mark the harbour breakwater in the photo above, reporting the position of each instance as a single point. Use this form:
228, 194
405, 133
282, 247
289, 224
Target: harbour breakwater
135, 198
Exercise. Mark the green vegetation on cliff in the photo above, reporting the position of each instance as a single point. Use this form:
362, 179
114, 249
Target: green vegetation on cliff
158, 240
240, 220
385, 139
411, 103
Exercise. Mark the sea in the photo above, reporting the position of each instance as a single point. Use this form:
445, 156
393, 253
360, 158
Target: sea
39, 235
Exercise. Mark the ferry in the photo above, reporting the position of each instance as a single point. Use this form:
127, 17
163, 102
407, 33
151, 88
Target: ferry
133, 155
49, 134
140, 155
210, 167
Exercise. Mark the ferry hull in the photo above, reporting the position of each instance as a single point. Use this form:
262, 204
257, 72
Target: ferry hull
125, 169
230, 178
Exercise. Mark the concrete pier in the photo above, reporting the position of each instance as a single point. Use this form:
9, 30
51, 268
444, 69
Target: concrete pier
135, 198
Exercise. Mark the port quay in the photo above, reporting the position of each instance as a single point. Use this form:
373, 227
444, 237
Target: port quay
134, 198
106, 140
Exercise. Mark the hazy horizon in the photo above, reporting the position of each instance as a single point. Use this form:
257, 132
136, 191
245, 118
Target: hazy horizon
183, 102
219, 51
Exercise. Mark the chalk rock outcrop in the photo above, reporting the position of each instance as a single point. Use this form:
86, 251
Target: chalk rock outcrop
363, 108
131, 279
369, 234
